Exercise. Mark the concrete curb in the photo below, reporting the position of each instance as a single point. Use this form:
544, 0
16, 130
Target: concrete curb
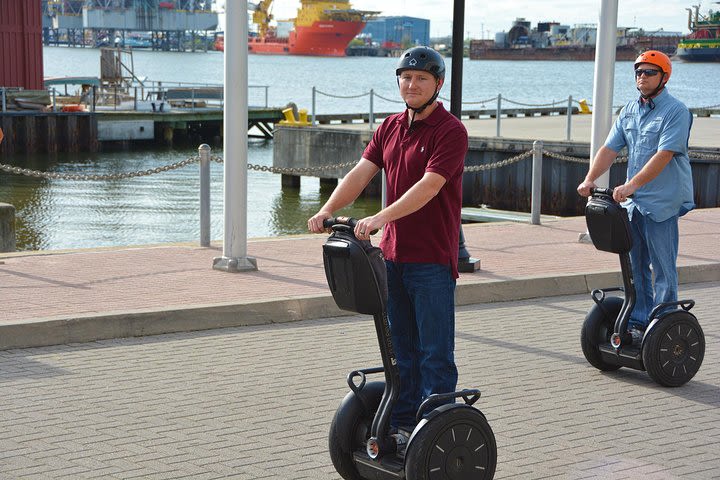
135, 323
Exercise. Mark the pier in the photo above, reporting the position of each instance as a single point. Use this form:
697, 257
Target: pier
500, 168
51, 132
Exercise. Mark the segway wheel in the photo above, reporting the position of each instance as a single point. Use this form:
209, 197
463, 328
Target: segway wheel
598, 327
673, 349
350, 428
456, 444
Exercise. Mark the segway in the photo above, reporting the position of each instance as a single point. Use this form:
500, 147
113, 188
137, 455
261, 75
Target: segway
673, 344
451, 440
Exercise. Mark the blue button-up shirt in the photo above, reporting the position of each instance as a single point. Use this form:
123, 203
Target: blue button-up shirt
644, 132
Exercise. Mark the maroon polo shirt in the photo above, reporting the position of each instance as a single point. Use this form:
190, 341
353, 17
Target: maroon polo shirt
436, 144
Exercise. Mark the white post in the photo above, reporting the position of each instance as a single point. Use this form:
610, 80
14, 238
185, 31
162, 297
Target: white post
371, 115
204, 152
498, 113
569, 118
235, 257
536, 195
604, 80
603, 84
312, 106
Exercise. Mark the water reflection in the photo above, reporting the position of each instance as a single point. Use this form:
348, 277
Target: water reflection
59, 214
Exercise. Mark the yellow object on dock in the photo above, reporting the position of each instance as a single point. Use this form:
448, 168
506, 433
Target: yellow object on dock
584, 107
290, 119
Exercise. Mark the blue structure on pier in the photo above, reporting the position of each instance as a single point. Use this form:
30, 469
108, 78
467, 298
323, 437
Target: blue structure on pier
403, 31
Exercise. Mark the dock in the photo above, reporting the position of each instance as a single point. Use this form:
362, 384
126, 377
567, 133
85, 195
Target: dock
41, 132
498, 168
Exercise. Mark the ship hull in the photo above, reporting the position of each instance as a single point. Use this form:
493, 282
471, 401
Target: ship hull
622, 53
703, 54
323, 39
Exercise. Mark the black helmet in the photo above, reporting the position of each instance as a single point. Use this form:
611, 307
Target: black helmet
422, 58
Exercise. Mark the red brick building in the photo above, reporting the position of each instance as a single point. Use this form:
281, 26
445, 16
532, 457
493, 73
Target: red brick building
21, 55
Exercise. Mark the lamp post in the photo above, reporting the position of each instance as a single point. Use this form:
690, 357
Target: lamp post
466, 264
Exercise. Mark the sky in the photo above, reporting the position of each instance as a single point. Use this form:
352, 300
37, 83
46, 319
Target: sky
483, 18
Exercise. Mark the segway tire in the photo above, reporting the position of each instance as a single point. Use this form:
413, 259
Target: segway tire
456, 444
673, 349
598, 327
350, 428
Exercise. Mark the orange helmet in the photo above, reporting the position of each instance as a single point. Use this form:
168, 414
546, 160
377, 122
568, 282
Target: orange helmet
659, 59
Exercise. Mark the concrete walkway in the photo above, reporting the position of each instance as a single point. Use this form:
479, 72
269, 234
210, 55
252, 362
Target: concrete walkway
255, 401
74, 296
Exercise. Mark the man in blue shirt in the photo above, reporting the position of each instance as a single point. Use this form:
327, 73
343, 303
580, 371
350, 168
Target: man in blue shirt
655, 129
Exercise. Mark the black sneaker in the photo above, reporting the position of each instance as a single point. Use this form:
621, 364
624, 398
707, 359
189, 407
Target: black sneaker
637, 336
401, 437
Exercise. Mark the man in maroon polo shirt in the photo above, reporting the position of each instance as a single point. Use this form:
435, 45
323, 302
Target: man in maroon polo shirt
422, 151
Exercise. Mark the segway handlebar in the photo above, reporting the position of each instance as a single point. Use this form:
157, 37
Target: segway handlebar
347, 221
604, 191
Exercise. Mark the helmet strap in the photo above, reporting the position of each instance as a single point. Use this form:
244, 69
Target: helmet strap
649, 97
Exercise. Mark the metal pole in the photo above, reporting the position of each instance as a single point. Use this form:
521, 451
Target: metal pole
2, 95
466, 264
498, 112
604, 80
536, 200
266, 96
569, 118
235, 149
204, 152
371, 115
312, 118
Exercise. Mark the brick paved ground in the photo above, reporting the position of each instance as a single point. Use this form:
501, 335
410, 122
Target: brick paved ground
106, 293
255, 402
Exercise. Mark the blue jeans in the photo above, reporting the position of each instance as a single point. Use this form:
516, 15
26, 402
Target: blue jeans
656, 244
421, 311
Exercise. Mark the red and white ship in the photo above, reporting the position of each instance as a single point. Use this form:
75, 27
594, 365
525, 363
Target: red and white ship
321, 28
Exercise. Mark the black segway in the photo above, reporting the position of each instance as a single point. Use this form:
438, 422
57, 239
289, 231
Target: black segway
673, 345
450, 441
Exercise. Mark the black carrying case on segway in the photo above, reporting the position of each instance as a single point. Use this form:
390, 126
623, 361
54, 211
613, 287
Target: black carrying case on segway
608, 224
355, 272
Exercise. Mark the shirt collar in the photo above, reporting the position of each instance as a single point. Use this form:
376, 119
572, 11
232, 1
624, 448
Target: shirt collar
657, 99
432, 120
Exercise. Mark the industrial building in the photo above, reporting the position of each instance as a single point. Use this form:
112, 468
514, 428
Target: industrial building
398, 31
154, 24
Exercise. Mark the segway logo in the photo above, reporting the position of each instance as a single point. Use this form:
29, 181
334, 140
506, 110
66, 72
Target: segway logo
412, 62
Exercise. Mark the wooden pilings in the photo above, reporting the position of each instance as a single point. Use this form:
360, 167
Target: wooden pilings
48, 132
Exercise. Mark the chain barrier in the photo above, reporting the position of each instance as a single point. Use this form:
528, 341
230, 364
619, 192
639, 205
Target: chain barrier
474, 102
342, 96
387, 99
112, 176
302, 170
554, 103
499, 164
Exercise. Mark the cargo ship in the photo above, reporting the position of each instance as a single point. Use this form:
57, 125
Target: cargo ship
703, 43
548, 41
321, 28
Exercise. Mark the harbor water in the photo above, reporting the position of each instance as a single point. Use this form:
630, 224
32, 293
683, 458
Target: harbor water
62, 214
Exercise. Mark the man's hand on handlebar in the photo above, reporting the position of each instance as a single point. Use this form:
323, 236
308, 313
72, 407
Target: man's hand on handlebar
585, 188
622, 192
315, 223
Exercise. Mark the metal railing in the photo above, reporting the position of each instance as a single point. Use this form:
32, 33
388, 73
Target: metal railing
205, 156
144, 96
561, 106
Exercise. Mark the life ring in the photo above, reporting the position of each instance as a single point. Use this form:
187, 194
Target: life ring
73, 108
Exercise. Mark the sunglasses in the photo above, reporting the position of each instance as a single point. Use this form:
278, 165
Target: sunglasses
649, 72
